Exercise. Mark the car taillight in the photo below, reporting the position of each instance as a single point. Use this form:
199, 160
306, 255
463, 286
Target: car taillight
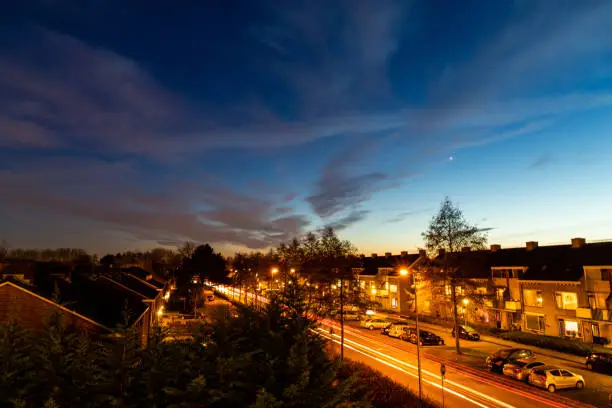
517, 370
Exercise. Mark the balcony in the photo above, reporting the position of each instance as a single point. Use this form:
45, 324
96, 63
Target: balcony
513, 305
584, 313
594, 314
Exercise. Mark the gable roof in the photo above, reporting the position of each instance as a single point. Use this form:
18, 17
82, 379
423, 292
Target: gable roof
30, 291
131, 282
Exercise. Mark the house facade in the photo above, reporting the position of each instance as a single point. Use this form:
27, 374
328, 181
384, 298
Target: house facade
556, 290
379, 278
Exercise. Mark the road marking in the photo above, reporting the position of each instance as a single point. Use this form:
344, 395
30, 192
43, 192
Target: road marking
414, 375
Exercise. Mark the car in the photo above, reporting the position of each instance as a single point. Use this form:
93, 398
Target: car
553, 378
496, 361
395, 329
426, 338
520, 369
374, 323
348, 316
466, 332
601, 362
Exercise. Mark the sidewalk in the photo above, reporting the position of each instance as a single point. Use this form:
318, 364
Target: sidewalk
504, 343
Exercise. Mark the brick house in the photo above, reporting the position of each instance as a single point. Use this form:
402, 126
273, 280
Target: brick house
21, 303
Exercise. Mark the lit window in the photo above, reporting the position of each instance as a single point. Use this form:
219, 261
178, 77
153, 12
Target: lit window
362, 284
532, 297
394, 303
481, 290
570, 328
566, 300
393, 288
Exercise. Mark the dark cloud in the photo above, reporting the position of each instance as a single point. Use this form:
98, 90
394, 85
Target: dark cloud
348, 220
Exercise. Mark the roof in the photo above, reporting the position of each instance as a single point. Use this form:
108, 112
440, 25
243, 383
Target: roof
543, 263
370, 265
131, 282
101, 300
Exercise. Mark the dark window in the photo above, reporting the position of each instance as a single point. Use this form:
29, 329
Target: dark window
566, 373
605, 274
555, 373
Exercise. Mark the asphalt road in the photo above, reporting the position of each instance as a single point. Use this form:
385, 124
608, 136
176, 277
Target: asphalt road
466, 374
467, 381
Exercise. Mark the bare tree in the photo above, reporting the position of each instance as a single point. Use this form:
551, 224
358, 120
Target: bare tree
449, 231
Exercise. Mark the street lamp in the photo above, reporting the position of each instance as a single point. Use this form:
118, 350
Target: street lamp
404, 273
466, 302
273, 271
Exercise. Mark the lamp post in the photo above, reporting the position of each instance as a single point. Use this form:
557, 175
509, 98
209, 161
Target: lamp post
273, 271
404, 272
466, 302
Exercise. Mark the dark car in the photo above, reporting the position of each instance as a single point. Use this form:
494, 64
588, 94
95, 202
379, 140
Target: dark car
496, 361
466, 332
601, 362
427, 338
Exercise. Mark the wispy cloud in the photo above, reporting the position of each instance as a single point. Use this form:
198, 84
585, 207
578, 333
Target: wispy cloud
403, 215
111, 194
541, 161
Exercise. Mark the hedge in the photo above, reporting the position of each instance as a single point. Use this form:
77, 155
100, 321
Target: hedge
380, 390
549, 342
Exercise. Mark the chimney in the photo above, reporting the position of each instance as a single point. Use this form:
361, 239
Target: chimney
388, 254
362, 256
404, 253
441, 252
578, 242
495, 247
466, 249
374, 255
531, 245
422, 252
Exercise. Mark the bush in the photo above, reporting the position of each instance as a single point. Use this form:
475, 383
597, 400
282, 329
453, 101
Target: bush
380, 390
549, 342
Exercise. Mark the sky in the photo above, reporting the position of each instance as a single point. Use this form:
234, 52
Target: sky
245, 124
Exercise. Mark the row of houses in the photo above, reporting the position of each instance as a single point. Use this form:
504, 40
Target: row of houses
100, 304
557, 290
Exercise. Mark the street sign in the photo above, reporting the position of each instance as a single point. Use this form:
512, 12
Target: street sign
442, 370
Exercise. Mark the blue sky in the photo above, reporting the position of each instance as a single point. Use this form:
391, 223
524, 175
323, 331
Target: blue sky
244, 123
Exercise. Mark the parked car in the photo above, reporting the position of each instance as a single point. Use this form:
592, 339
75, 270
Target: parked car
520, 369
497, 360
349, 316
374, 323
396, 329
553, 378
426, 338
601, 362
466, 332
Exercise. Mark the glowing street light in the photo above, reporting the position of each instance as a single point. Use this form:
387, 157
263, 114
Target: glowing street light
334, 287
466, 301
373, 291
292, 270
404, 273
274, 270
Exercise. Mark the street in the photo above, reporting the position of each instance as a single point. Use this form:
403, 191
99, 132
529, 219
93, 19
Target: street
467, 381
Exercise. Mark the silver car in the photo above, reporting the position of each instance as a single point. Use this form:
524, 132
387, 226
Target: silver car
554, 378
374, 323
520, 369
